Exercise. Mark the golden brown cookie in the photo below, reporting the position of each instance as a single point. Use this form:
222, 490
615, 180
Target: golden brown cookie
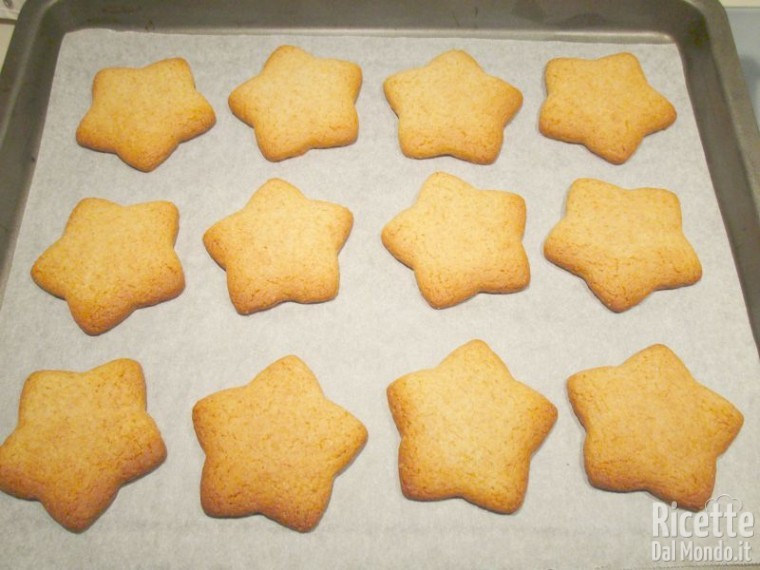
111, 260
461, 241
624, 243
274, 446
280, 247
650, 426
606, 104
143, 114
468, 429
299, 102
79, 438
451, 107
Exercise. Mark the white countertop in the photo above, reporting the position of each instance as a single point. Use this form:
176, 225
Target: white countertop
6, 29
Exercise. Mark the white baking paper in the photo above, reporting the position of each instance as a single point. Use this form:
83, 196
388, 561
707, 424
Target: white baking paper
378, 328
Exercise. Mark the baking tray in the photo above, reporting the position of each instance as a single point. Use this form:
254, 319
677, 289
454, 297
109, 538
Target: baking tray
699, 28
729, 138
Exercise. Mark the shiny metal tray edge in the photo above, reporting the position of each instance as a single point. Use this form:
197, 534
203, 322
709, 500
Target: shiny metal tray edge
699, 28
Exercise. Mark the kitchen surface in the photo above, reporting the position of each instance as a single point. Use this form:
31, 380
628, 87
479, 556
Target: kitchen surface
745, 23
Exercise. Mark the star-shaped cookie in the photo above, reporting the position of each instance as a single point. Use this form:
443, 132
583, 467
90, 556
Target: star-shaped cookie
606, 104
468, 429
650, 426
111, 260
274, 446
299, 102
624, 243
143, 114
461, 241
280, 247
451, 107
79, 438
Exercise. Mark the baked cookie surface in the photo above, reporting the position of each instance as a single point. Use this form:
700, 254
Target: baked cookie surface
650, 426
143, 114
606, 104
282, 246
451, 107
468, 429
461, 241
624, 243
299, 102
274, 446
112, 260
79, 438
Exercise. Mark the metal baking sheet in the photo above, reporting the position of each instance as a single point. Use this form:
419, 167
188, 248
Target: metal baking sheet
564, 523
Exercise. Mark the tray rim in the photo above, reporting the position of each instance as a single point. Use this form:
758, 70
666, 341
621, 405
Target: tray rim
699, 28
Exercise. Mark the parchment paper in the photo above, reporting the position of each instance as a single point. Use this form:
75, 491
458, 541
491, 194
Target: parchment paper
377, 329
